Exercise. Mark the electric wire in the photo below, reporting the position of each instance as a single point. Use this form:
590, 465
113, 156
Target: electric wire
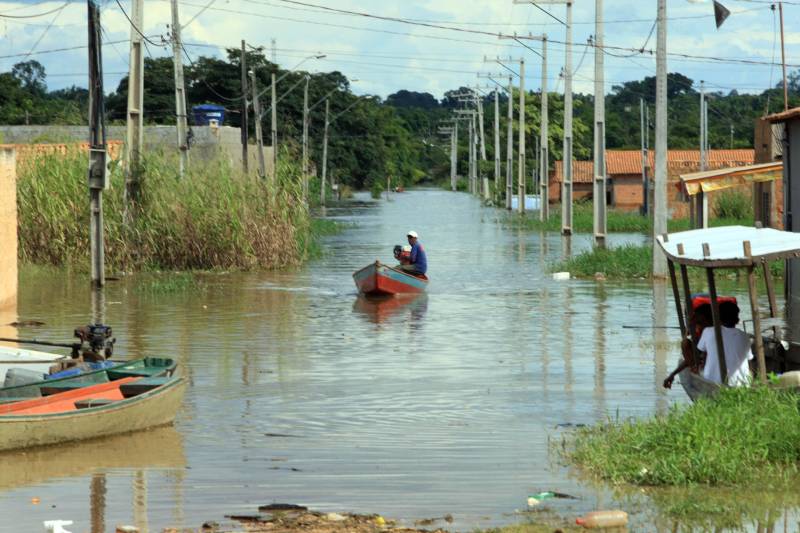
44, 14
47, 29
146, 39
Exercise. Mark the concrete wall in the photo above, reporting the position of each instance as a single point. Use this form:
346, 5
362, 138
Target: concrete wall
8, 228
207, 142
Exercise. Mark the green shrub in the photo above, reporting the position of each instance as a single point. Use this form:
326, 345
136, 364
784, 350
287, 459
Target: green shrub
621, 262
377, 189
733, 205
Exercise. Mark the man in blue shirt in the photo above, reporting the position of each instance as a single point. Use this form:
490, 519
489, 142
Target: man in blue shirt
419, 261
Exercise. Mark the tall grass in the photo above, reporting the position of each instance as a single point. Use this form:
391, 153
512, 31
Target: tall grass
742, 435
621, 221
621, 262
213, 218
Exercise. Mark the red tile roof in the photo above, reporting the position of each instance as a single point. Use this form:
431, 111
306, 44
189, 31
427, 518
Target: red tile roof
581, 171
630, 162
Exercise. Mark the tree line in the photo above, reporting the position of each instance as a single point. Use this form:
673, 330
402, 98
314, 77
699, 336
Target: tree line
397, 136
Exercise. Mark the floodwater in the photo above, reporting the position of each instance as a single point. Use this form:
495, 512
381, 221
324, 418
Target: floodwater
301, 392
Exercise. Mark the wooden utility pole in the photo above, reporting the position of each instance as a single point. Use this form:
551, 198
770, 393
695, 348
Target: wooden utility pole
274, 130
305, 144
133, 155
180, 90
245, 118
521, 141
544, 143
700, 200
599, 199
660, 207
325, 150
783, 61
262, 166
97, 146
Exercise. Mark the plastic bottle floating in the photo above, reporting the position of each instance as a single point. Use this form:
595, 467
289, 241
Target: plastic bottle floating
603, 519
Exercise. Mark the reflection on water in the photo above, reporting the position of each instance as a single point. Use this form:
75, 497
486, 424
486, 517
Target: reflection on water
303, 392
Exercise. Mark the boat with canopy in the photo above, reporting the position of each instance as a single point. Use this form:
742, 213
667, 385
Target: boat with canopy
730, 247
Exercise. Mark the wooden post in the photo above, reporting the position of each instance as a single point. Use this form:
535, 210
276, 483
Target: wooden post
712, 291
754, 310
687, 293
98, 180
677, 295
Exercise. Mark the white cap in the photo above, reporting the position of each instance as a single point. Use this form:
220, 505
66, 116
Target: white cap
412, 233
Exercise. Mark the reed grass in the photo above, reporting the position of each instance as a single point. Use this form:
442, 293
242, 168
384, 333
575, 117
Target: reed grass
742, 435
213, 218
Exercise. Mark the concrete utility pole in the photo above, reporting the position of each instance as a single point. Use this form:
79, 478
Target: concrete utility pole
262, 166
274, 131
180, 89
783, 61
305, 144
496, 141
325, 150
644, 128
133, 181
599, 199
454, 158
510, 145
484, 184
660, 207
544, 143
521, 141
566, 196
245, 119
473, 174
97, 146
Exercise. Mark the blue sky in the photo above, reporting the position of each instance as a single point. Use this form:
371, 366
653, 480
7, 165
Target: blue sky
387, 56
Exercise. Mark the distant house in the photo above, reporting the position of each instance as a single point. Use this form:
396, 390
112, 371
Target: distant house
581, 180
624, 173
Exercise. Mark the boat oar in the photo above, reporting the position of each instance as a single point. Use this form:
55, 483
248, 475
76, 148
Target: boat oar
35, 362
42, 343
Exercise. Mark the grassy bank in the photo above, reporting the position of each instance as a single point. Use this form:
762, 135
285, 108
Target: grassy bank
213, 218
618, 221
743, 435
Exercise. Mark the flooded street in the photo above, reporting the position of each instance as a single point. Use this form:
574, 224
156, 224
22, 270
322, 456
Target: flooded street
301, 392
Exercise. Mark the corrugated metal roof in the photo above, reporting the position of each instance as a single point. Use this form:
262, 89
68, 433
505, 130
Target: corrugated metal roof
783, 116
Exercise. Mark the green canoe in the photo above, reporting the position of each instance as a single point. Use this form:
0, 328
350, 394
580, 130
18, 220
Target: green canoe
145, 367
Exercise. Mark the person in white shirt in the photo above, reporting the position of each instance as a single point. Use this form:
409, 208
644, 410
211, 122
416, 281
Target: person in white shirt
736, 345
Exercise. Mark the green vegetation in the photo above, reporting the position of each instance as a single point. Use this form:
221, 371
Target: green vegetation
212, 219
732, 204
622, 262
742, 435
731, 212
168, 283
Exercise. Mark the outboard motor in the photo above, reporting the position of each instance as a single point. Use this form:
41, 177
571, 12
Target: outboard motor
96, 343
403, 254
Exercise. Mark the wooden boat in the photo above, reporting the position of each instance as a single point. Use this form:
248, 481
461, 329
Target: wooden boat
12, 357
378, 279
144, 367
748, 248
121, 406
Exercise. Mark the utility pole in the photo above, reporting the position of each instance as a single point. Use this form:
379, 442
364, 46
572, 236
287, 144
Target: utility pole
510, 145
473, 175
305, 144
454, 157
484, 184
521, 141
496, 141
783, 61
262, 167
645, 134
274, 131
544, 143
660, 207
701, 200
245, 118
274, 45
180, 90
133, 181
599, 200
325, 150
566, 196
97, 146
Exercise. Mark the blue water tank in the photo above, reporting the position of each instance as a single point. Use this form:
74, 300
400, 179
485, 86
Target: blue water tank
206, 113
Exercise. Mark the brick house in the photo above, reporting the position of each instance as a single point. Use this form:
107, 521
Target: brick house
581, 180
624, 173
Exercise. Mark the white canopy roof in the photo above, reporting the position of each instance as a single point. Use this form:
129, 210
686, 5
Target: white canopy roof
725, 245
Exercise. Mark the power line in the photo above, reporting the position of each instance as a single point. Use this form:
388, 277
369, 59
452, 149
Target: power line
47, 29
44, 14
163, 41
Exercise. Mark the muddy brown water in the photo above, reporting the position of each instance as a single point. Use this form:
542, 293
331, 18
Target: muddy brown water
301, 392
